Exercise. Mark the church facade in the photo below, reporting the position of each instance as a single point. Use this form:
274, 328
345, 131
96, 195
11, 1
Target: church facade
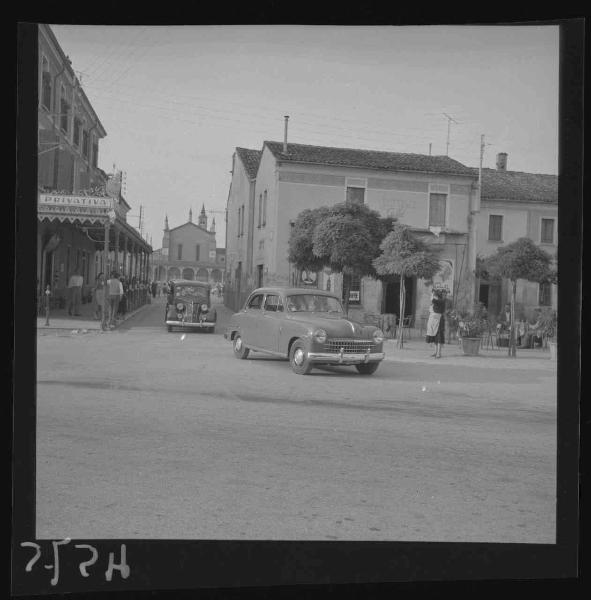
189, 251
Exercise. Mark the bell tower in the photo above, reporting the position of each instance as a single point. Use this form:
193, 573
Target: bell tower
166, 236
203, 218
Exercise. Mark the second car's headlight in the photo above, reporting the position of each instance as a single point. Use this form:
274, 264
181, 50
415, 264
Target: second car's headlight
319, 335
180, 306
378, 336
204, 308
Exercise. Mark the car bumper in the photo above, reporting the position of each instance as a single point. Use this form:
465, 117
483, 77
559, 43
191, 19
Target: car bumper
203, 325
345, 359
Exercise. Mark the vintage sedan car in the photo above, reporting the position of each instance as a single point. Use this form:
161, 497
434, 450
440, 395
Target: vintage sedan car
307, 326
188, 304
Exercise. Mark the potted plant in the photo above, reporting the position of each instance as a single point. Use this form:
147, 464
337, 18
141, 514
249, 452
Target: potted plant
470, 326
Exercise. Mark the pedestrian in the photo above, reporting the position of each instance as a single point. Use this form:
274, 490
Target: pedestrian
75, 293
124, 294
115, 292
154, 289
436, 322
99, 296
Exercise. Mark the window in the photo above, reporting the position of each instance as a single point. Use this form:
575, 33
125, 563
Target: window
355, 195
273, 303
354, 289
265, 208
437, 210
179, 252
46, 85
76, 138
95, 153
255, 302
260, 210
495, 228
547, 233
197, 252
64, 111
85, 143
545, 294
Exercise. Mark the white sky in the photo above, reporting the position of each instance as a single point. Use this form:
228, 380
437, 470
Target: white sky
176, 101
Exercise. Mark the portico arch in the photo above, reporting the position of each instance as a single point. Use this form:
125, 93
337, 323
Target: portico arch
173, 273
202, 275
188, 273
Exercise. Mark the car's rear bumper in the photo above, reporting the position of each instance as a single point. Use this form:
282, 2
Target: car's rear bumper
203, 325
344, 358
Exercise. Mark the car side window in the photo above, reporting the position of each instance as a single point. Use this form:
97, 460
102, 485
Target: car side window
273, 303
255, 302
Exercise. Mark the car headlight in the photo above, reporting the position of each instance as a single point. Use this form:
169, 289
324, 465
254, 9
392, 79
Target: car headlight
180, 306
204, 308
319, 335
378, 336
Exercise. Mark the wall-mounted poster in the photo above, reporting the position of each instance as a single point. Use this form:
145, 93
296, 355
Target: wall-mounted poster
445, 278
309, 277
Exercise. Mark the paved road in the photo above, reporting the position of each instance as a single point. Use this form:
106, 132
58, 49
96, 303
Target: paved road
144, 434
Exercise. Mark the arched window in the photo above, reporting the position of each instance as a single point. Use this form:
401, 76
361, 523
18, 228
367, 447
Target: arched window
64, 110
45, 84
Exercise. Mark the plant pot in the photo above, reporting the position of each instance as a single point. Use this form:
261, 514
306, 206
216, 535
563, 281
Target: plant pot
471, 346
552, 346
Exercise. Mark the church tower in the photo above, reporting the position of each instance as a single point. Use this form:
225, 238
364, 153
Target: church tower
212, 228
190, 215
166, 236
203, 218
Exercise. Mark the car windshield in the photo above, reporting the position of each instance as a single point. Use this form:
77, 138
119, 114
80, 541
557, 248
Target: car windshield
313, 303
189, 290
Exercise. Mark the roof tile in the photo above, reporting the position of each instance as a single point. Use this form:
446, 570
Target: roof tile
250, 159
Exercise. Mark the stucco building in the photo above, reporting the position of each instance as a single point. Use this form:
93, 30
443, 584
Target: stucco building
189, 251
77, 201
434, 195
516, 204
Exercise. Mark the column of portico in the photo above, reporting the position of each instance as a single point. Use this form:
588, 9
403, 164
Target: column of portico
125, 271
115, 249
209, 270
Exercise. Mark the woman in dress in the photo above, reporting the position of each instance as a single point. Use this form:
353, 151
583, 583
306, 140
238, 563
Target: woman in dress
99, 296
436, 322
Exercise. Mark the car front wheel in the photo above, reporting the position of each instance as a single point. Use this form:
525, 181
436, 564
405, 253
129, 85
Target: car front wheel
298, 359
240, 350
368, 368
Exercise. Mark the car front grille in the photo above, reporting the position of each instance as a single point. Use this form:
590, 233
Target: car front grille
349, 346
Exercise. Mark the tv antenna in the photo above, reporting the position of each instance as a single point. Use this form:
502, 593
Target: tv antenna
449, 122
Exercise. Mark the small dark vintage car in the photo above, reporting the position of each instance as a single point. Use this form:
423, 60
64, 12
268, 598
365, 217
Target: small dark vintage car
308, 326
188, 304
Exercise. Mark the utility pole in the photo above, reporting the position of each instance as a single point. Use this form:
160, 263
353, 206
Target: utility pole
474, 211
449, 121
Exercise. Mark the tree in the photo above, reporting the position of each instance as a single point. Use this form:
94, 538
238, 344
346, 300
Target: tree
522, 259
403, 255
345, 237
300, 244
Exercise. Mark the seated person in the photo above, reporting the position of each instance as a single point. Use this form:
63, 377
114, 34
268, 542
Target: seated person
533, 331
296, 303
320, 304
504, 320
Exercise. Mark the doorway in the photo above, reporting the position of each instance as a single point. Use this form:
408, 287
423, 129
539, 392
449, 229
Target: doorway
391, 301
259, 276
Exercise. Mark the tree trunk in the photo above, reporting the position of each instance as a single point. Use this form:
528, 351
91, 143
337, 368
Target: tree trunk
346, 292
512, 341
400, 342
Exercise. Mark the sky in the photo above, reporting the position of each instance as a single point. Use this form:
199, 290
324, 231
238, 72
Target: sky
177, 100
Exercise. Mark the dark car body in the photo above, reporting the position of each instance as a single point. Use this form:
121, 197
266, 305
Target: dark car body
307, 326
188, 304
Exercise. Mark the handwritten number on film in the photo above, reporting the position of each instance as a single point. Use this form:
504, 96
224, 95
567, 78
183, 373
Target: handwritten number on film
91, 558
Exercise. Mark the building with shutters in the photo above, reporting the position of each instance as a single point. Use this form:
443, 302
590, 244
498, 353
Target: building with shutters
189, 251
515, 204
79, 206
434, 195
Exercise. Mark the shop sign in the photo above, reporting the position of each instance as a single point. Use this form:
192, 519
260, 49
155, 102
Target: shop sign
78, 201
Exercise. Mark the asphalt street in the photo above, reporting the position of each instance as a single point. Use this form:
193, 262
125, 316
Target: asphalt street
147, 434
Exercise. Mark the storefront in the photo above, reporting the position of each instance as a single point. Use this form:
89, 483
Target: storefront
86, 235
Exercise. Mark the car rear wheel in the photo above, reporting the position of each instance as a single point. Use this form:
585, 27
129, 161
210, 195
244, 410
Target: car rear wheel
368, 368
240, 350
298, 358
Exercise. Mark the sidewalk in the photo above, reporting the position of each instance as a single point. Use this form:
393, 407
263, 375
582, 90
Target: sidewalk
418, 351
61, 322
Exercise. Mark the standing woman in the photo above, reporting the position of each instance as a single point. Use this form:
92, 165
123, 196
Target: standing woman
99, 296
436, 322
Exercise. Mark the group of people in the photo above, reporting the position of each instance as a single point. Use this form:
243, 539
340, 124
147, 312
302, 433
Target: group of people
117, 288
526, 333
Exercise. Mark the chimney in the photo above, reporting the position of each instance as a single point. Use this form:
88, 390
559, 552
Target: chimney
502, 161
285, 135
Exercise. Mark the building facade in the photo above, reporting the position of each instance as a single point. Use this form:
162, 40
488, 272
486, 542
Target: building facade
189, 251
80, 207
516, 204
434, 195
